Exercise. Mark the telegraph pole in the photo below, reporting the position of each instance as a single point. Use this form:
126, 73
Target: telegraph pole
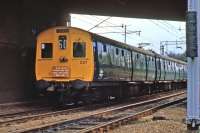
162, 49
125, 32
193, 59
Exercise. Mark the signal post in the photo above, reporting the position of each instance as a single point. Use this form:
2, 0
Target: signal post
193, 58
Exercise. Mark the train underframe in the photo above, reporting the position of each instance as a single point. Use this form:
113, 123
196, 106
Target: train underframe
89, 92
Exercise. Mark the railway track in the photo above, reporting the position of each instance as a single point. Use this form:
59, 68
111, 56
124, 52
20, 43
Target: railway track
9, 117
98, 120
110, 125
7, 109
36, 116
23, 116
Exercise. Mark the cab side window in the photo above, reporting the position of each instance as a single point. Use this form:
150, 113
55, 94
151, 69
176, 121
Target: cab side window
46, 50
62, 42
104, 48
79, 49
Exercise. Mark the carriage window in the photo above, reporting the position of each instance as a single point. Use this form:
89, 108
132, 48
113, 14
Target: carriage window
46, 50
117, 51
138, 56
79, 49
62, 42
122, 52
104, 48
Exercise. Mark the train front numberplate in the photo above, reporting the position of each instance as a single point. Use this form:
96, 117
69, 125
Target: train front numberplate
60, 71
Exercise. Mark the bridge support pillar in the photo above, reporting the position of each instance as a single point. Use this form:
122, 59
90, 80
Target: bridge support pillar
193, 58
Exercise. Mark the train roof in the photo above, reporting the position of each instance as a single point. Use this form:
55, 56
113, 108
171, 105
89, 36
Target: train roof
127, 46
121, 44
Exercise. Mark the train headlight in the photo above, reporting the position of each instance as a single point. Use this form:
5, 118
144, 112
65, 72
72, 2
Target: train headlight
101, 73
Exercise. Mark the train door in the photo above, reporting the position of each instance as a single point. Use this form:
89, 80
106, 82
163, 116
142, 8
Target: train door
96, 63
147, 60
162, 64
174, 71
158, 69
151, 69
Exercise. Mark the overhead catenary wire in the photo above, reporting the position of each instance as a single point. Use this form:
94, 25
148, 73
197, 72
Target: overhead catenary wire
88, 18
161, 27
164, 28
120, 30
99, 23
116, 26
83, 20
172, 27
107, 24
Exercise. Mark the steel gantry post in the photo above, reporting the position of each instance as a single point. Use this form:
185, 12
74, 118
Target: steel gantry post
193, 58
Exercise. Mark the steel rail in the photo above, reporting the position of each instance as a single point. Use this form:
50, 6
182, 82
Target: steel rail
24, 118
101, 113
38, 116
25, 113
105, 127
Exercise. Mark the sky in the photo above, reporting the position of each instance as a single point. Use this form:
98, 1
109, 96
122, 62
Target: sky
153, 32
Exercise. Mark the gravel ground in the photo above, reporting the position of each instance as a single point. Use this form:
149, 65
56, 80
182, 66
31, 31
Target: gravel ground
169, 120
43, 121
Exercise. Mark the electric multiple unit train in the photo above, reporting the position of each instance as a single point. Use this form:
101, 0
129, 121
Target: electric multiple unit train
75, 64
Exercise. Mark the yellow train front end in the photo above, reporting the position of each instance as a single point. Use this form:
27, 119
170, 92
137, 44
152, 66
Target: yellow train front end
64, 59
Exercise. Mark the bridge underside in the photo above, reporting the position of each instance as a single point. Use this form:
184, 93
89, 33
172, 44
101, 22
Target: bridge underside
20, 19
153, 9
156, 9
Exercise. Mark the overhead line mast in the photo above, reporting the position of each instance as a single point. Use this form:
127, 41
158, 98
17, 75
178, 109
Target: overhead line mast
125, 31
115, 25
164, 45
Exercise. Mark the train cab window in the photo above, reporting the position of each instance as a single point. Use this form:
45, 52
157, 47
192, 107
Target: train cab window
79, 49
46, 50
104, 48
117, 51
62, 42
122, 52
